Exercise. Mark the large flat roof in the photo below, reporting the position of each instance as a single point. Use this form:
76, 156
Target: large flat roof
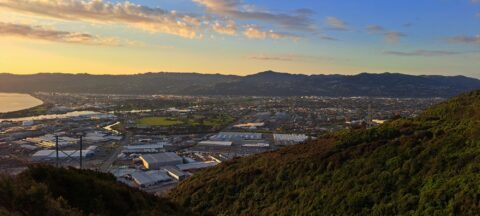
161, 157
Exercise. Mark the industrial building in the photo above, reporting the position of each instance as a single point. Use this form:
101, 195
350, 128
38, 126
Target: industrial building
150, 178
197, 165
256, 145
215, 143
236, 136
48, 141
289, 139
176, 173
51, 154
155, 161
149, 148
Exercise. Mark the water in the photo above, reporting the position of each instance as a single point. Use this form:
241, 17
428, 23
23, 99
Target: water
10, 102
54, 116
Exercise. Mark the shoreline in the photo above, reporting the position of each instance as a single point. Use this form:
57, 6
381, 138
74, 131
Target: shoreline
37, 101
39, 109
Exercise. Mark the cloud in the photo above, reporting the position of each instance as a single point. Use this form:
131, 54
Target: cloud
389, 36
336, 24
255, 32
465, 40
299, 20
272, 58
375, 29
41, 33
424, 53
288, 57
230, 28
393, 37
325, 37
99, 11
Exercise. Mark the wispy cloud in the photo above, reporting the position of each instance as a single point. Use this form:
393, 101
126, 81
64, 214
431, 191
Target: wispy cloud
389, 36
99, 11
336, 24
297, 20
393, 37
325, 37
287, 57
465, 40
272, 58
375, 29
424, 53
255, 32
41, 33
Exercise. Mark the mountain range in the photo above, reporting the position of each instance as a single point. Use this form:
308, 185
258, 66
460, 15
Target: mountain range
266, 83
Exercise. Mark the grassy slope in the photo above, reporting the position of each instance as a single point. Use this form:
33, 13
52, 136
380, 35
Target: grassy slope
424, 166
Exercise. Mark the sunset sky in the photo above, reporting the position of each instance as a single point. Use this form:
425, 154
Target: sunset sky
240, 36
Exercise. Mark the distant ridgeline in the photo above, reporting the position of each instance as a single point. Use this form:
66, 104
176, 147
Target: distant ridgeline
429, 165
262, 84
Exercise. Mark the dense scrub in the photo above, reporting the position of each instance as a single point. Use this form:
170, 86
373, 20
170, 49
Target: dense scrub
43, 190
424, 166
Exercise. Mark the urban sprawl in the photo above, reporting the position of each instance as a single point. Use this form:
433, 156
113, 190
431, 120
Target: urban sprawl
154, 142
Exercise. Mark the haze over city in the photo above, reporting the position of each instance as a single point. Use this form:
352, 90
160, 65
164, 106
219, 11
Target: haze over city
240, 37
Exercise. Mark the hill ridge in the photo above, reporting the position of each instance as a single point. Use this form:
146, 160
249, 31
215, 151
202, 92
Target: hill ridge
268, 83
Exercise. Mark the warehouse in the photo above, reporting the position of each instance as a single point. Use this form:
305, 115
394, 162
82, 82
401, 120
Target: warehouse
149, 148
147, 179
197, 165
236, 136
289, 139
176, 173
51, 154
155, 161
215, 143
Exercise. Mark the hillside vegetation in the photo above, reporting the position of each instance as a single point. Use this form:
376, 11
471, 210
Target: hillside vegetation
424, 166
43, 190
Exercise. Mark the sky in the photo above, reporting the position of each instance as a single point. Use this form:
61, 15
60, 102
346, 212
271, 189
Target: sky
241, 37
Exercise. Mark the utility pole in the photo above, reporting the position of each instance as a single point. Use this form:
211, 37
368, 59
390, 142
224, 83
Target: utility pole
56, 149
370, 116
81, 153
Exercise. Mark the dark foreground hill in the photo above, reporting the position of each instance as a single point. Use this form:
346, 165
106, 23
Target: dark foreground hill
424, 166
262, 84
43, 190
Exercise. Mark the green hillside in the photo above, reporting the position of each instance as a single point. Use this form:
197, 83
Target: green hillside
424, 166
43, 190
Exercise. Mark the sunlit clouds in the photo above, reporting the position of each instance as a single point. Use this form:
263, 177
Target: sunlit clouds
41, 33
225, 36
255, 32
98, 11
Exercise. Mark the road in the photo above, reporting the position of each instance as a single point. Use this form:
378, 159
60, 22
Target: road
108, 163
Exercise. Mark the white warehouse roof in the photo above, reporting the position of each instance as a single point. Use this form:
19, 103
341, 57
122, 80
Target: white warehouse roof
215, 143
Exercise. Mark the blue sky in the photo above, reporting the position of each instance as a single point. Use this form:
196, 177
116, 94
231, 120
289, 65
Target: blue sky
241, 37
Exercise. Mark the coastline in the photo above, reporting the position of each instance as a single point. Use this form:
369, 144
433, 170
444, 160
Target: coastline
34, 100
41, 108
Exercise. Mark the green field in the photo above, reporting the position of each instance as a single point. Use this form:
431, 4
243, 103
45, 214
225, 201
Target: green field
196, 120
158, 121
